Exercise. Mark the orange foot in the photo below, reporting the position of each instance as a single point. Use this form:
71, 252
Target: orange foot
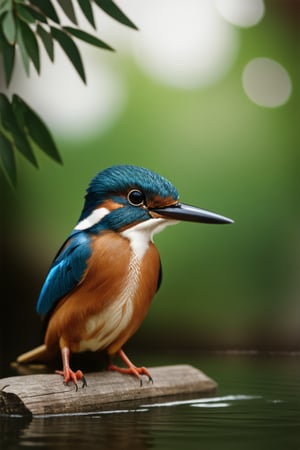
67, 372
131, 368
69, 375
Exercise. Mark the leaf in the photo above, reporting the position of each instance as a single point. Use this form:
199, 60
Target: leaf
70, 49
30, 43
87, 10
9, 27
10, 123
37, 14
7, 158
67, 7
23, 51
24, 13
86, 37
8, 57
6, 113
5, 6
115, 12
36, 128
46, 38
46, 7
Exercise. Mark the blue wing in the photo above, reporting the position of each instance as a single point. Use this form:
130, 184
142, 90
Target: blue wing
66, 271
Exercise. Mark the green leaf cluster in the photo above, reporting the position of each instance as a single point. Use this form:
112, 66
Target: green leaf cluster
27, 25
21, 129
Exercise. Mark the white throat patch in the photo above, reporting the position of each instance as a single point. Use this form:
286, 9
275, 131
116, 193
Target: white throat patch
141, 234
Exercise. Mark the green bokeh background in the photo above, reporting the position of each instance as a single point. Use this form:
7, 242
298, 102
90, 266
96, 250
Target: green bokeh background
231, 286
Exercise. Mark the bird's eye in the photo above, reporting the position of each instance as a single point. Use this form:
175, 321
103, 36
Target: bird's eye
136, 198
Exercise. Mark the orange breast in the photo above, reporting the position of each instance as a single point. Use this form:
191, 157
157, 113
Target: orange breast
111, 301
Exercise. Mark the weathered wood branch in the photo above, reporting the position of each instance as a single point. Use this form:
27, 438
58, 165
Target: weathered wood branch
46, 395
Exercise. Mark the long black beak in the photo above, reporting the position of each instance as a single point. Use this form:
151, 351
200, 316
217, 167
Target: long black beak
189, 213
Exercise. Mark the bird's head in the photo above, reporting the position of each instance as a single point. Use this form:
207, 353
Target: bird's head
122, 197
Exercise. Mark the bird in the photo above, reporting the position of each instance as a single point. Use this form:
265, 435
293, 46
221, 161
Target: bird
101, 282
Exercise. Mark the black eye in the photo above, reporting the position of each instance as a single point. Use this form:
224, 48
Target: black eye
136, 198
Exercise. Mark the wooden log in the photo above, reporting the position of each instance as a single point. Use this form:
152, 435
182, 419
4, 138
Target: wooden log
45, 394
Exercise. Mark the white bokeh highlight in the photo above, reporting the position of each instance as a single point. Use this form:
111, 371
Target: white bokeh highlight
242, 13
266, 82
184, 44
66, 104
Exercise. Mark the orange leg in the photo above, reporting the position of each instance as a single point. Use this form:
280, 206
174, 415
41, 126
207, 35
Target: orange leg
67, 372
131, 368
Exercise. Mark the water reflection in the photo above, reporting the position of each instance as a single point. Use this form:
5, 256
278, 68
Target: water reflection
113, 431
257, 406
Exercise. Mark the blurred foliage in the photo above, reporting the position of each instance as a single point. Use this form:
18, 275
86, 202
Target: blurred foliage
27, 25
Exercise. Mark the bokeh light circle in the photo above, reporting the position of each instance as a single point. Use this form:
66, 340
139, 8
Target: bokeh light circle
266, 82
185, 44
65, 103
243, 13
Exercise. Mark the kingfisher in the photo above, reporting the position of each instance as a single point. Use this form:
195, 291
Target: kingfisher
101, 282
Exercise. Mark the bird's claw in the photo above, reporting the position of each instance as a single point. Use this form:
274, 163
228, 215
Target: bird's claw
70, 375
133, 370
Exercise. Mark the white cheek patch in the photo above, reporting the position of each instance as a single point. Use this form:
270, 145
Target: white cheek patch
141, 234
92, 219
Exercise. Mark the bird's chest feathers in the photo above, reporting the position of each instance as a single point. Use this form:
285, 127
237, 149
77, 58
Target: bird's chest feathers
130, 281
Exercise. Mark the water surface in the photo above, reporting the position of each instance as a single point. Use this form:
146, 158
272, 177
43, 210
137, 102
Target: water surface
257, 406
